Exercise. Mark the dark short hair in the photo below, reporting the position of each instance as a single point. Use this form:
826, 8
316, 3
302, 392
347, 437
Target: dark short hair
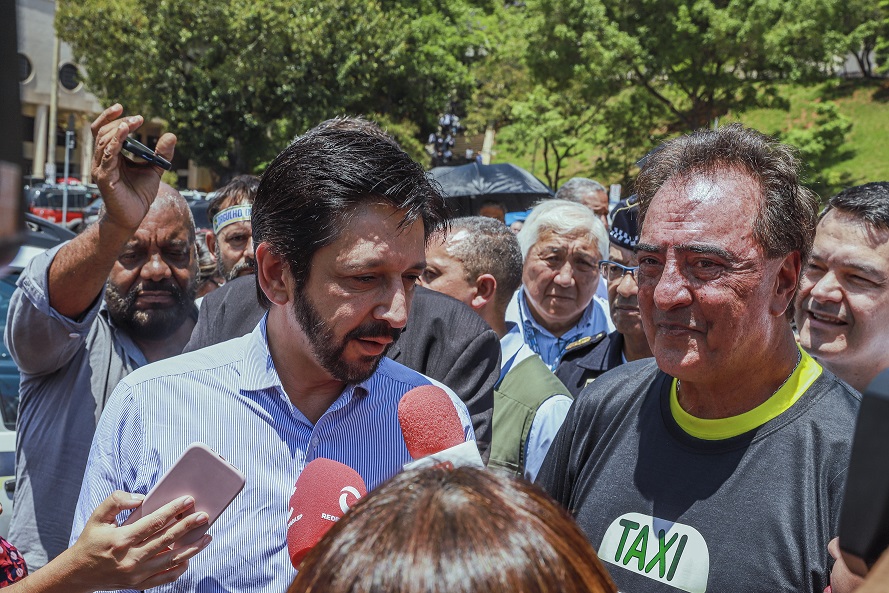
464, 530
869, 202
240, 190
489, 247
789, 212
309, 190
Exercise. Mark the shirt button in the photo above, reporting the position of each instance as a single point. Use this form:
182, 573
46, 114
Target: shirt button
73, 335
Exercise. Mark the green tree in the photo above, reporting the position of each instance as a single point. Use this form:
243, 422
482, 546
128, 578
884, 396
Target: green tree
822, 144
555, 124
699, 58
236, 79
856, 28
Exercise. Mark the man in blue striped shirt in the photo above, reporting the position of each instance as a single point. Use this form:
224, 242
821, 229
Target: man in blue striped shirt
340, 224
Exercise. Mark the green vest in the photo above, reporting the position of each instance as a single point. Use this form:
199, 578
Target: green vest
516, 401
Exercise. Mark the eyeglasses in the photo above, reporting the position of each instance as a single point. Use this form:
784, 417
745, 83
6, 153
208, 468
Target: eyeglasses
614, 271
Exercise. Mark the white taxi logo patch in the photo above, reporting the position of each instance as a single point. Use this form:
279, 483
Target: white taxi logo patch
671, 553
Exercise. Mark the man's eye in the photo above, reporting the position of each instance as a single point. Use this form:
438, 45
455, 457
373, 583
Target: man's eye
429, 275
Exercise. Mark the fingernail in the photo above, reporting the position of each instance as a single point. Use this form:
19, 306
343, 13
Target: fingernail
188, 501
201, 518
133, 119
123, 125
137, 496
205, 541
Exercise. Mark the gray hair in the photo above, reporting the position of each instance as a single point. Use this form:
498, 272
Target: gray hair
576, 188
487, 247
788, 212
563, 218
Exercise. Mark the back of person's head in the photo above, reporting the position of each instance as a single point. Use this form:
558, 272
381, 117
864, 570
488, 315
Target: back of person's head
869, 202
576, 188
240, 190
493, 209
454, 531
788, 212
313, 186
487, 246
563, 218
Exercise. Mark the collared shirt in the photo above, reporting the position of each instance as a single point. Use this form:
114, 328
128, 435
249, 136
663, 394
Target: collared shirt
550, 348
229, 396
68, 370
550, 414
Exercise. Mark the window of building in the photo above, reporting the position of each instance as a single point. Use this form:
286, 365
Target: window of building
26, 69
69, 77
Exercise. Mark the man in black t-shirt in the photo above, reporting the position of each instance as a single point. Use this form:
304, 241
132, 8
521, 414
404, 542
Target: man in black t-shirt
719, 465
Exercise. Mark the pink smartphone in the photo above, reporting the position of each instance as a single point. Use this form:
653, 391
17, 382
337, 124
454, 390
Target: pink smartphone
201, 473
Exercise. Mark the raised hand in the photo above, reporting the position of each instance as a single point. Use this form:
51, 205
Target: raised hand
128, 188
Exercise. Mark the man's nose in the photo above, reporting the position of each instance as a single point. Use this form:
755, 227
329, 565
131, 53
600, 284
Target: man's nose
627, 285
155, 268
671, 290
394, 310
827, 288
248, 251
565, 275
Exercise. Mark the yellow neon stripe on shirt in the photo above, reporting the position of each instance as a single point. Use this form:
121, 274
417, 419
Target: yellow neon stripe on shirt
723, 428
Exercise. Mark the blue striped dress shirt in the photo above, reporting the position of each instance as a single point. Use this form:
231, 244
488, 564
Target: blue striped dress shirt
229, 396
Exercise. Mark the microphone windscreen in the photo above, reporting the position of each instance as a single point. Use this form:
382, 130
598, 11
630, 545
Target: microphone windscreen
864, 517
429, 422
323, 493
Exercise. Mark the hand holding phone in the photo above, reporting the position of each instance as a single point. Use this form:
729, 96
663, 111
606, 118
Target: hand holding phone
202, 474
143, 152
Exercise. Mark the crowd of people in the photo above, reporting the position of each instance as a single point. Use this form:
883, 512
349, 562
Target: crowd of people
680, 376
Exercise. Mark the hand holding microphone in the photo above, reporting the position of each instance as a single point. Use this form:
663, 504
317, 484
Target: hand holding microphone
323, 493
433, 432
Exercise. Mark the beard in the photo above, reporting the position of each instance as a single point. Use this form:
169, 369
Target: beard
247, 265
152, 323
329, 352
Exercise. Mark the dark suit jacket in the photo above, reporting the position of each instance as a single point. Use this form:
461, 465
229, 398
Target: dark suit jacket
443, 339
582, 365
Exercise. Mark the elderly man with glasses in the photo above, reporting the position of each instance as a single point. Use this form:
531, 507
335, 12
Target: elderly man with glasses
587, 359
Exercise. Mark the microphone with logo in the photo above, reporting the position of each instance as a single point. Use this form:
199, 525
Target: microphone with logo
433, 432
323, 493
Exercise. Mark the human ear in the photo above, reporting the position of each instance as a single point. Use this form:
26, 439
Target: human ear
270, 273
485, 289
786, 282
210, 239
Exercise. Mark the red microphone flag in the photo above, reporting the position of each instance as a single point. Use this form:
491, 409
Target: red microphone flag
323, 493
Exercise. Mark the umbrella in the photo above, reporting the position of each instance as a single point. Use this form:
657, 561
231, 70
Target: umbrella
467, 187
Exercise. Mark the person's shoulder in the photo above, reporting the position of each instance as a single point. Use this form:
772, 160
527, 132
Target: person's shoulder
621, 386
588, 350
241, 289
429, 305
834, 399
216, 359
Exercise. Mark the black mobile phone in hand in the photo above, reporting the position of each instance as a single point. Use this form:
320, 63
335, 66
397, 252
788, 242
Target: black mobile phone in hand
143, 152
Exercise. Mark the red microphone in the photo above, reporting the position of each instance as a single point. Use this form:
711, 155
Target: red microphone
432, 430
323, 493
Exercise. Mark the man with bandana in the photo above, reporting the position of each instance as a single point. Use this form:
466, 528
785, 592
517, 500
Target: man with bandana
591, 356
86, 314
231, 239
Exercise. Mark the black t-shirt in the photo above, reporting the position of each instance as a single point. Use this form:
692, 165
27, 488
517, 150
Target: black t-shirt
670, 512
